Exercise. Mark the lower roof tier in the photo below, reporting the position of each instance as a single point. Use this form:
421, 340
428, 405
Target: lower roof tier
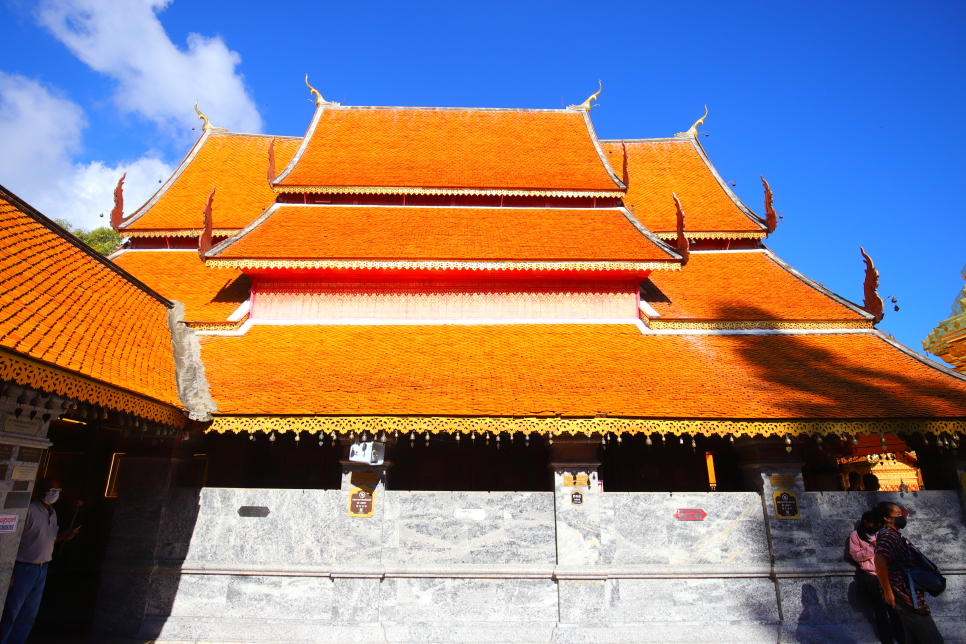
572, 370
295, 233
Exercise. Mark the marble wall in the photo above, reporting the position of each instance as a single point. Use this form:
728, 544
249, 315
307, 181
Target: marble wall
495, 567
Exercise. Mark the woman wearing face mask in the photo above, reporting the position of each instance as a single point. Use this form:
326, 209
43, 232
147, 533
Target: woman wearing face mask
862, 550
40, 532
892, 552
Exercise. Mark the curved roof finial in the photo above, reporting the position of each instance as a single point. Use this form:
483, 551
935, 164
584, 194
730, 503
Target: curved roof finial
694, 128
586, 105
202, 117
318, 97
873, 303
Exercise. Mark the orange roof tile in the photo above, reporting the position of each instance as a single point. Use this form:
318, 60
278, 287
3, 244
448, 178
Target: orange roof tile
443, 233
209, 295
742, 285
459, 149
236, 163
658, 168
573, 370
61, 304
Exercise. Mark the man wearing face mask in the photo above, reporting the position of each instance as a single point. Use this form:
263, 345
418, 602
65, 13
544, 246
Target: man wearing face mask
40, 532
892, 554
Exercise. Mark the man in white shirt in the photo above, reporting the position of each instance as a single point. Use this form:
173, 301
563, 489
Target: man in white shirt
40, 532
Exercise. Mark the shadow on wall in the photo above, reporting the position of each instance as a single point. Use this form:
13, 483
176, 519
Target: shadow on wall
148, 544
815, 624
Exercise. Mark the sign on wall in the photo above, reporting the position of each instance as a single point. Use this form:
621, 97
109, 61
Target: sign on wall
362, 497
25, 426
690, 514
786, 504
8, 523
576, 480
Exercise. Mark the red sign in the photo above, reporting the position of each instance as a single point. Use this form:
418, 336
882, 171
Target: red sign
690, 514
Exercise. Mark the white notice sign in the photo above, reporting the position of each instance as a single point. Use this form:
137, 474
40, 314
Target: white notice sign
8, 523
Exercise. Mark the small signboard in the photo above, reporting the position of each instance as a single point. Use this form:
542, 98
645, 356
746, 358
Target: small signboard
362, 501
8, 523
576, 480
690, 514
25, 426
24, 473
6, 452
29, 454
576, 498
786, 504
257, 511
782, 480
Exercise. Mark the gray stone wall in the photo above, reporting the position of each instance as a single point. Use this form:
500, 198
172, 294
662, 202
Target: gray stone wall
520, 567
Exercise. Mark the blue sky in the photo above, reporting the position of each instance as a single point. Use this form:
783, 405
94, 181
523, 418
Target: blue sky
853, 111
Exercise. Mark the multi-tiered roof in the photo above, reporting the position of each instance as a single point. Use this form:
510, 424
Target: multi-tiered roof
458, 269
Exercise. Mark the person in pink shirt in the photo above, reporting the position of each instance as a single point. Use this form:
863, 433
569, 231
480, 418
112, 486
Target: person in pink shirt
862, 551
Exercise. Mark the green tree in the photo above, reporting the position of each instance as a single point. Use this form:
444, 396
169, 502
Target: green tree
104, 240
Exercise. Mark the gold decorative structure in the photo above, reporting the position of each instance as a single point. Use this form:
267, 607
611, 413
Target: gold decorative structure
189, 232
693, 131
202, 117
556, 426
314, 92
729, 325
586, 105
712, 235
396, 190
36, 375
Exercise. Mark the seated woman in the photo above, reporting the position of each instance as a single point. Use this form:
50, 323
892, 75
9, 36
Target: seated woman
862, 551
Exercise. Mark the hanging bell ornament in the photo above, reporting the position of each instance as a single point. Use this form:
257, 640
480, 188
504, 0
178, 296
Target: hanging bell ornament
788, 444
648, 442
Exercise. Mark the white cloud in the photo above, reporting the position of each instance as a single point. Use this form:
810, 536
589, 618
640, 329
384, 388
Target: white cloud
125, 40
39, 131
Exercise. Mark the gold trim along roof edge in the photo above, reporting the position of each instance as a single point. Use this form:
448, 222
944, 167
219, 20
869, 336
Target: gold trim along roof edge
188, 232
663, 323
557, 426
670, 265
713, 235
375, 190
31, 373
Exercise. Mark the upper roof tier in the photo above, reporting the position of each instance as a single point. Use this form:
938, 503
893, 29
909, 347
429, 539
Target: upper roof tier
409, 150
316, 236
65, 305
657, 168
236, 163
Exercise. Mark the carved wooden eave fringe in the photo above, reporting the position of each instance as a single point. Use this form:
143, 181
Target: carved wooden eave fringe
555, 426
54, 380
873, 304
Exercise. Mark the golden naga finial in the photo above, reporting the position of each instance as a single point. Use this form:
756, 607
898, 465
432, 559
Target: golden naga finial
202, 117
586, 105
693, 132
318, 97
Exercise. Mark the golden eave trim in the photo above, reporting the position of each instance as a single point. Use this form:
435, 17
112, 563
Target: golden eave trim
187, 232
758, 324
713, 235
556, 426
217, 326
375, 190
38, 375
669, 265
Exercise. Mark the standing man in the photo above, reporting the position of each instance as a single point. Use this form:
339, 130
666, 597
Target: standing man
40, 532
892, 554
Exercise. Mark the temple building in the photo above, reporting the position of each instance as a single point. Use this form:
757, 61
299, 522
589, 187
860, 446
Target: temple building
948, 340
462, 375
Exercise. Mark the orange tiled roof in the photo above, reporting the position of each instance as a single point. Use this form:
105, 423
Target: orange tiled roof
658, 168
452, 233
236, 163
462, 149
741, 286
208, 294
61, 305
573, 370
